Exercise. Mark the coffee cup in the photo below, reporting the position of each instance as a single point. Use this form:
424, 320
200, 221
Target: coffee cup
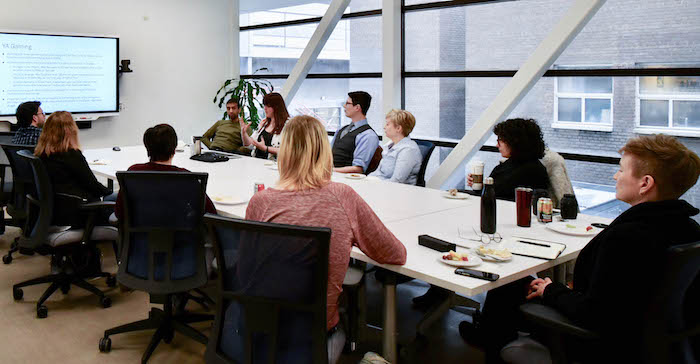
478, 175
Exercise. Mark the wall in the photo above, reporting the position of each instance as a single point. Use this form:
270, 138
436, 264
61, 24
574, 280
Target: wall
179, 51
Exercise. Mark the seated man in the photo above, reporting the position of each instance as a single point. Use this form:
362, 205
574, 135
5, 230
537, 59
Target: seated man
612, 276
225, 135
30, 120
354, 144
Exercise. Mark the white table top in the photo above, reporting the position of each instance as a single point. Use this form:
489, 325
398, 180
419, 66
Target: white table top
408, 211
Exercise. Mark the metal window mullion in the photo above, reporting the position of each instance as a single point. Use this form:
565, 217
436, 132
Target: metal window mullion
583, 110
670, 113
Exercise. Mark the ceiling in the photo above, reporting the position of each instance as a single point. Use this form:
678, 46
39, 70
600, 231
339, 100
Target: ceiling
257, 5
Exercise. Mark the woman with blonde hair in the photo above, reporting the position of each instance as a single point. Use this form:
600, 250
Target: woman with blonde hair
401, 158
59, 149
306, 196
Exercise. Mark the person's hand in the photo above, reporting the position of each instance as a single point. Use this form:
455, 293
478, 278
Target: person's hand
537, 287
244, 126
470, 180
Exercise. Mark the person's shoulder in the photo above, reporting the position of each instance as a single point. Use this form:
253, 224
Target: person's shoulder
342, 191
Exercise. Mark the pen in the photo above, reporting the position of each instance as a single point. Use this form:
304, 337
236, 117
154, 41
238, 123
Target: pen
531, 243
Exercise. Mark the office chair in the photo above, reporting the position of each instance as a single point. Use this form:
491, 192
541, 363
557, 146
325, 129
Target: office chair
374, 162
426, 150
271, 301
666, 336
72, 250
162, 250
22, 184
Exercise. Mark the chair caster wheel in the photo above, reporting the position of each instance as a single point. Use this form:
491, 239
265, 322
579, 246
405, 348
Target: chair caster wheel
7, 259
105, 344
168, 338
111, 281
65, 288
42, 312
106, 302
17, 294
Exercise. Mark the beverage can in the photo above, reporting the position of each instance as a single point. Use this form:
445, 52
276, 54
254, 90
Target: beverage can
257, 187
544, 209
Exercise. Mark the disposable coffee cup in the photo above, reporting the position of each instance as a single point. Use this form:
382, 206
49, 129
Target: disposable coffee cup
478, 175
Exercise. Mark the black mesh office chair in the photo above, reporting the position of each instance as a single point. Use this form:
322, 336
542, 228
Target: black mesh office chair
667, 337
271, 302
426, 150
22, 184
162, 249
72, 250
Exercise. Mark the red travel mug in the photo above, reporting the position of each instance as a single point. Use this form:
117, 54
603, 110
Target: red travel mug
523, 201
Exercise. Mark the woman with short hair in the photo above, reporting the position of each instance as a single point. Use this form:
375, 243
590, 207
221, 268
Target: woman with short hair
520, 141
401, 158
306, 196
265, 141
59, 149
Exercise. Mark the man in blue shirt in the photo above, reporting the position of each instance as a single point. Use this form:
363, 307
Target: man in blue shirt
355, 144
30, 120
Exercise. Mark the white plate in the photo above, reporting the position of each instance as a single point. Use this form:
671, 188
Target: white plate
472, 262
273, 166
229, 200
270, 163
460, 196
493, 258
355, 176
579, 228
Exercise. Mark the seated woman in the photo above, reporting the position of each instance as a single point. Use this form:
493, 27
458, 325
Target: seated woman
612, 279
265, 141
519, 140
306, 196
160, 142
59, 149
401, 158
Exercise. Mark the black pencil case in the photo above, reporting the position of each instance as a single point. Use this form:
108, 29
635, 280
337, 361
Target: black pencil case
435, 243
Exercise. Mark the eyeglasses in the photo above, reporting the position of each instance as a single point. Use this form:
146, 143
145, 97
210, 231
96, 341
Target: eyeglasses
488, 238
348, 103
40, 113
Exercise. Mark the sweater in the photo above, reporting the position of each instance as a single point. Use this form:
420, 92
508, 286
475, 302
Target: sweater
511, 174
352, 221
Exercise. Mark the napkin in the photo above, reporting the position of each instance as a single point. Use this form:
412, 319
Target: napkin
99, 162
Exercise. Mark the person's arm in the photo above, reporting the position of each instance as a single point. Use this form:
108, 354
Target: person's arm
209, 135
370, 234
349, 169
366, 144
83, 174
246, 134
406, 161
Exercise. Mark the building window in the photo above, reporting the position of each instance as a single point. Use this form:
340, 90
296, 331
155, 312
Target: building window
669, 104
583, 103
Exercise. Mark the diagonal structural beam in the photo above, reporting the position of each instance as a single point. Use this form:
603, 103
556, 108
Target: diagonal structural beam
450, 171
312, 50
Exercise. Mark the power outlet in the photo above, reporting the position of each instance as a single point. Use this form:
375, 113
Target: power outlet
122, 106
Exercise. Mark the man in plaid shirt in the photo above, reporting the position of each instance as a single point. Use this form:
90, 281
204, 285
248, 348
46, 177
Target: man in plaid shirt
30, 120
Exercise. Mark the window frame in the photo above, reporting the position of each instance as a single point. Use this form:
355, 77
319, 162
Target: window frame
669, 128
583, 96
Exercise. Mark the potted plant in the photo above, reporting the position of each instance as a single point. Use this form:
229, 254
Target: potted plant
248, 92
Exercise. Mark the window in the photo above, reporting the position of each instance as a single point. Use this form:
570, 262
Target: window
583, 103
669, 104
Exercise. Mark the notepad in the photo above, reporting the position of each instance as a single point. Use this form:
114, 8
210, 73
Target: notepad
534, 248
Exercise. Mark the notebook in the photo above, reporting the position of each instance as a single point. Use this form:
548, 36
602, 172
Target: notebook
534, 248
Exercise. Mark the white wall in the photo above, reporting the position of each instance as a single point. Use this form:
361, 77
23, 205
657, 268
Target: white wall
179, 51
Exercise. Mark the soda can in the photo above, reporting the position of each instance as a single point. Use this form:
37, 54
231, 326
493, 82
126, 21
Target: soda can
257, 187
544, 210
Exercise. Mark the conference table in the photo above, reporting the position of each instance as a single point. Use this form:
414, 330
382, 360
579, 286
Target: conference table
408, 211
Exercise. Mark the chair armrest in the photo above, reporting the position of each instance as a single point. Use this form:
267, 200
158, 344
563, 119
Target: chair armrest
550, 318
71, 198
98, 205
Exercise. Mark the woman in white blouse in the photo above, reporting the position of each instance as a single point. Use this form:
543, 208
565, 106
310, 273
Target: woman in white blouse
401, 158
265, 141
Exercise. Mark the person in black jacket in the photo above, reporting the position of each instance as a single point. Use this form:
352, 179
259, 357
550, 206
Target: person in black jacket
618, 270
59, 149
520, 141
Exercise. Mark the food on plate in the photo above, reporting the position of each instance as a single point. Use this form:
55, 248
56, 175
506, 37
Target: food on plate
501, 253
356, 175
452, 255
589, 228
222, 198
571, 226
452, 192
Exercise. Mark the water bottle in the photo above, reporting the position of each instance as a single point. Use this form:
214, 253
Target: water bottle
488, 207
569, 207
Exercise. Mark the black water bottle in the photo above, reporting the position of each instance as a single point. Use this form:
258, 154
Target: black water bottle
569, 207
488, 207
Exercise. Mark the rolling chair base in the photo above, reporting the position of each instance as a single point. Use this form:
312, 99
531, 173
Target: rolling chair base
165, 323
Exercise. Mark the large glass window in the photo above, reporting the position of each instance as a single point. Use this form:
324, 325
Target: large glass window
669, 102
583, 100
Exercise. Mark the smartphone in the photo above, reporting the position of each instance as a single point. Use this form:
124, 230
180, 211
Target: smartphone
477, 274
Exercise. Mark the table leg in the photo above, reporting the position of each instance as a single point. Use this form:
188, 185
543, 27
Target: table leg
389, 331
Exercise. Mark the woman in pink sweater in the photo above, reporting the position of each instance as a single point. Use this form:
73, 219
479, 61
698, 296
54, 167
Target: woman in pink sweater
306, 196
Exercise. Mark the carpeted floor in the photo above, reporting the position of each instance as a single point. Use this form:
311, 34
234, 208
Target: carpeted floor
76, 321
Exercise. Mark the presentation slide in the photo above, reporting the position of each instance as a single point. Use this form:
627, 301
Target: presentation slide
77, 74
